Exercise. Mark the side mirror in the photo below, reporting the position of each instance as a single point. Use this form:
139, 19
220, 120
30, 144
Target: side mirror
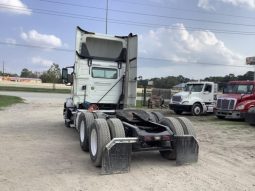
65, 75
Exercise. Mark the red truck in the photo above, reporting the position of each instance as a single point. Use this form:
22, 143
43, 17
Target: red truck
237, 99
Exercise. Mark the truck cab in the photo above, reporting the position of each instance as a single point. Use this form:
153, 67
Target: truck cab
197, 98
238, 97
104, 71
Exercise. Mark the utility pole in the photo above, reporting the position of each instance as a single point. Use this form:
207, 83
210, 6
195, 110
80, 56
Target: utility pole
106, 17
251, 61
3, 67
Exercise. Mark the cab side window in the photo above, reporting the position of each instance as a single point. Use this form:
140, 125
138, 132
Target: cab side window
208, 88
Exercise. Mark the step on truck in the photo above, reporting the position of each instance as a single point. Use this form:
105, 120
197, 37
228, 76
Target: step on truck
197, 98
103, 80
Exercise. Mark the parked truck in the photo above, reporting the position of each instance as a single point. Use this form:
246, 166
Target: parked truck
104, 81
197, 98
237, 99
250, 115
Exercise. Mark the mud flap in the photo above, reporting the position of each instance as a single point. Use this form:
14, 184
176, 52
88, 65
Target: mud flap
117, 156
250, 118
186, 149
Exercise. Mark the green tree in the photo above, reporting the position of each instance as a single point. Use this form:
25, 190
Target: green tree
52, 75
25, 73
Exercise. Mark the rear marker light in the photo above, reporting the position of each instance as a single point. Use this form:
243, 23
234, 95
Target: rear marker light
166, 138
148, 138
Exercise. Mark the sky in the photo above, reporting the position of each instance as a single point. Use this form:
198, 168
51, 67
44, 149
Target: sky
193, 38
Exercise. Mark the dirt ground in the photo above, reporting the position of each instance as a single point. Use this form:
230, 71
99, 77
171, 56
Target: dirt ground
38, 153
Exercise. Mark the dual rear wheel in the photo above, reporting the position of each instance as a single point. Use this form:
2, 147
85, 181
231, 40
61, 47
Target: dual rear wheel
101, 133
179, 126
95, 134
85, 122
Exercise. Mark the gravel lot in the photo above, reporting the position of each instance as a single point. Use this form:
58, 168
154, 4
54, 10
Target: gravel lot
38, 153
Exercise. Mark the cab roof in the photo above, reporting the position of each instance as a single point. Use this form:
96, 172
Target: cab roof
242, 82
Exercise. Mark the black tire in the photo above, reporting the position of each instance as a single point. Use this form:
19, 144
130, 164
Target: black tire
116, 128
152, 117
66, 116
178, 112
84, 124
250, 116
158, 116
99, 137
128, 114
176, 127
220, 117
99, 115
187, 126
196, 109
251, 110
67, 124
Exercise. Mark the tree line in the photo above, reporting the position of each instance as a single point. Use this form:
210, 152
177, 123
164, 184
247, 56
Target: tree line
171, 81
53, 75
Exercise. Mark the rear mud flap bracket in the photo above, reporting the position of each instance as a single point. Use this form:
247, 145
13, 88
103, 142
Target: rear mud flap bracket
186, 149
117, 156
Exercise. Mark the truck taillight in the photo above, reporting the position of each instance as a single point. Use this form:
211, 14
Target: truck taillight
166, 138
148, 138
157, 138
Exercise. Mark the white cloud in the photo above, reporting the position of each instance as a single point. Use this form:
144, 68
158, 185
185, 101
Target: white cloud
207, 4
246, 3
14, 7
183, 46
204, 4
48, 40
40, 61
10, 41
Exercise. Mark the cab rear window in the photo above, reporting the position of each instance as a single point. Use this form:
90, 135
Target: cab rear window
107, 73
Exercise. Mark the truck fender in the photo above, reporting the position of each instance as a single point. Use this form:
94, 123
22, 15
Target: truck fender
204, 107
69, 102
248, 104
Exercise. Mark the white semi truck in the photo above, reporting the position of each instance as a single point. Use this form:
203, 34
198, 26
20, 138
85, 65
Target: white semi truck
197, 98
104, 80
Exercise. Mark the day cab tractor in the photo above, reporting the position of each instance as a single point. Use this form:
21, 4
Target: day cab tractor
250, 115
103, 82
237, 99
198, 98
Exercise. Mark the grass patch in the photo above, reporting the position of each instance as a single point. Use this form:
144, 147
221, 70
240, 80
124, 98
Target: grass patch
9, 100
27, 89
139, 104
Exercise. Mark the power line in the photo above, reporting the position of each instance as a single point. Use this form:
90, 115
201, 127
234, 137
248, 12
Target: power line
36, 46
192, 62
181, 9
183, 18
50, 12
152, 15
126, 22
143, 58
141, 24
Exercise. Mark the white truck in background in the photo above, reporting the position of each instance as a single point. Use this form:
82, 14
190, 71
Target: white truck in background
197, 98
104, 82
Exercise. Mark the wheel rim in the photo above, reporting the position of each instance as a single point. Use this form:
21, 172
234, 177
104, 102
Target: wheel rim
82, 131
93, 142
197, 110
